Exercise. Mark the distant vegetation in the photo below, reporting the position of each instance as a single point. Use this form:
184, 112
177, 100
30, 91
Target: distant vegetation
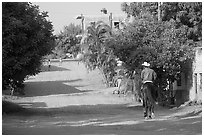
67, 42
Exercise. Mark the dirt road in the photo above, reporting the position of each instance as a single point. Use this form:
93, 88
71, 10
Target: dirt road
68, 100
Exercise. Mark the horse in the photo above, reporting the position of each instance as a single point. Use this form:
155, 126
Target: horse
149, 95
137, 83
124, 84
79, 57
128, 83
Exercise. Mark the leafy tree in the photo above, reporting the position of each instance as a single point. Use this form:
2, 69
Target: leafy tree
135, 44
135, 8
167, 45
26, 38
67, 40
185, 13
96, 53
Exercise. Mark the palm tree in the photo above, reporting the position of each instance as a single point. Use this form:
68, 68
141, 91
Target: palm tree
96, 35
93, 45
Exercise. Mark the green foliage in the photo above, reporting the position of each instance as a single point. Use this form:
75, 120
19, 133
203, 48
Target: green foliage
67, 41
26, 38
135, 8
96, 53
185, 13
136, 43
168, 45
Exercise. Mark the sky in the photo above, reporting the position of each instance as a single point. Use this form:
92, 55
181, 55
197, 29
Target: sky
63, 13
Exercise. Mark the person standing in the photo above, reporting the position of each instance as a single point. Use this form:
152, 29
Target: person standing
49, 64
60, 61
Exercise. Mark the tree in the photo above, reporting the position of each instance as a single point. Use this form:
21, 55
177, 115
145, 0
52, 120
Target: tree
96, 53
167, 45
184, 13
67, 40
26, 38
135, 44
135, 8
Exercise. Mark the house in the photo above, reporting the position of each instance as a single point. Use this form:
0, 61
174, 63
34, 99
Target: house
114, 20
189, 86
196, 91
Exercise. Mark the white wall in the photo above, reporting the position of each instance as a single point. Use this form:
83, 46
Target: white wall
196, 90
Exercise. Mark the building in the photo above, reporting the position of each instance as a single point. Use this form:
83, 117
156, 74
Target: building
114, 20
189, 87
196, 90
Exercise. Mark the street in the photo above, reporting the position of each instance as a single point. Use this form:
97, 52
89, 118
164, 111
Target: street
68, 100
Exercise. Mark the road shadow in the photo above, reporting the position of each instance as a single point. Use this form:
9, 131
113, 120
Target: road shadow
45, 68
136, 107
20, 108
45, 88
36, 109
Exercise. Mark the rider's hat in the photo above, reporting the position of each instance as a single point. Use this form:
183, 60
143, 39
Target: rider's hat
146, 64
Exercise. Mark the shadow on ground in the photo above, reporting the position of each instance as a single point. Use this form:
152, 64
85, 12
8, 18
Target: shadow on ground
44, 88
45, 68
19, 109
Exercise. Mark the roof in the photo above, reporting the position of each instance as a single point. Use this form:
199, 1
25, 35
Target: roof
103, 17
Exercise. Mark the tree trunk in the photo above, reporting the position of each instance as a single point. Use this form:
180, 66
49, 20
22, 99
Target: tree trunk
104, 77
171, 97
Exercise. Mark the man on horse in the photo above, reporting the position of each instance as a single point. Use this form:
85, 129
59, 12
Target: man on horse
148, 76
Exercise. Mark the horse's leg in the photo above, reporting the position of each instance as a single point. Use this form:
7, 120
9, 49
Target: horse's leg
152, 107
145, 112
152, 111
134, 91
145, 107
12, 91
119, 85
126, 88
149, 112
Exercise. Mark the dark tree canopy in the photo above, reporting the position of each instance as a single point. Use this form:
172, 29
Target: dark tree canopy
184, 13
167, 40
167, 44
26, 38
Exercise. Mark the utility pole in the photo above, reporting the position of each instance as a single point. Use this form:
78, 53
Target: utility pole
82, 21
159, 10
104, 11
111, 20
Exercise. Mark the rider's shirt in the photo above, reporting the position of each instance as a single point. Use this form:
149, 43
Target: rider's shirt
148, 75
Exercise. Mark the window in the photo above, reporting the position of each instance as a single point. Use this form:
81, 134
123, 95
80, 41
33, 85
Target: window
92, 23
200, 81
116, 24
179, 80
195, 81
